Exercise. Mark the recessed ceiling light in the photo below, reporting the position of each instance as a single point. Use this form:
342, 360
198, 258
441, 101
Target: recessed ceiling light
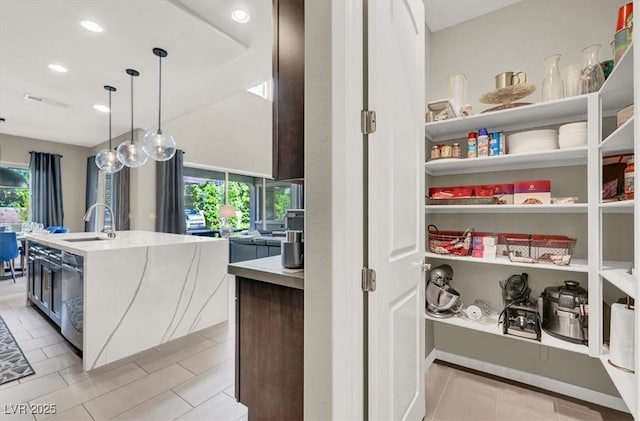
58, 68
90, 25
101, 108
240, 16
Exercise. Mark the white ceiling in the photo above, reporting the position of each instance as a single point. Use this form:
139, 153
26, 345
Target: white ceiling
441, 14
211, 57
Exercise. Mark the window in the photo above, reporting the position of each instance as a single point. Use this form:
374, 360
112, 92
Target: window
15, 202
204, 191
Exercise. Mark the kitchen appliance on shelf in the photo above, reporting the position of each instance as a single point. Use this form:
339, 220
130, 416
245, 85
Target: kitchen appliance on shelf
520, 315
565, 312
442, 300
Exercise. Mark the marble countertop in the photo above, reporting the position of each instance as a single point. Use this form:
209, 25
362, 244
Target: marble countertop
268, 269
123, 240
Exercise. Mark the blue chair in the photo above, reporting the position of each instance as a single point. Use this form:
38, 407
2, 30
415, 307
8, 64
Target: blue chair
9, 250
58, 230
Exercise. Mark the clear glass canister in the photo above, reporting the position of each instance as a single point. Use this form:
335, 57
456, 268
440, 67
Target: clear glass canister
456, 152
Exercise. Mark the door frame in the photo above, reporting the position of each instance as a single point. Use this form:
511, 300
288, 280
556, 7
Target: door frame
333, 325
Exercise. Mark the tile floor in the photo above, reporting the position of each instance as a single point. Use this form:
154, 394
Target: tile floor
190, 378
456, 395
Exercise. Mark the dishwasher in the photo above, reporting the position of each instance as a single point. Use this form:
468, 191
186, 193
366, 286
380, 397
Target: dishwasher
72, 316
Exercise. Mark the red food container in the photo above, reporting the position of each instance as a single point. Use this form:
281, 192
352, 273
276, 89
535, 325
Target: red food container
532, 192
625, 16
454, 192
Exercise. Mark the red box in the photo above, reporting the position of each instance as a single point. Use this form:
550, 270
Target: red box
454, 192
532, 192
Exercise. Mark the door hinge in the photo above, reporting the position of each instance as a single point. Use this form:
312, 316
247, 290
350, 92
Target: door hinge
368, 280
368, 122
426, 267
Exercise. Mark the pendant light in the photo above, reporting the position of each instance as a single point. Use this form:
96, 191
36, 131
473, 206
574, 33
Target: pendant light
106, 159
130, 152
158, 145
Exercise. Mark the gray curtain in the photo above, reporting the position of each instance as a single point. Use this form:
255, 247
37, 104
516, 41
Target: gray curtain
120, 199
91, 196
46, 189
170, 195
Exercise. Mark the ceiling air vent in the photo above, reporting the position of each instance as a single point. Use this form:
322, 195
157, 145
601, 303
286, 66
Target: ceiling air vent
47, 101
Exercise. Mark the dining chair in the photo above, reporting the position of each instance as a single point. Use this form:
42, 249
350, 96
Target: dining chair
9, 250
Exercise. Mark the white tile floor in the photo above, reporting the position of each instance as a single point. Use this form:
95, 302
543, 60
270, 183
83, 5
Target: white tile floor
190, 378
456, 395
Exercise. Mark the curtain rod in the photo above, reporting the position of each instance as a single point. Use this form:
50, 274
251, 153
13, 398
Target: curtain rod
48, 153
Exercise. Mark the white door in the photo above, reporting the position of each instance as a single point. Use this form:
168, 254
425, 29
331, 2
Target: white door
396, 210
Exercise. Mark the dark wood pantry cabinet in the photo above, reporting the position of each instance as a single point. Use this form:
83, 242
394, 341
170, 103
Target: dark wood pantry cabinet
288, 89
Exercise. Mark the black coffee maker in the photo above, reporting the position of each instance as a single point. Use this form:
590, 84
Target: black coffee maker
520, 314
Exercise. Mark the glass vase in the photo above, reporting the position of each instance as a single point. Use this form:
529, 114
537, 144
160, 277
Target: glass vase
552, 85
592, 76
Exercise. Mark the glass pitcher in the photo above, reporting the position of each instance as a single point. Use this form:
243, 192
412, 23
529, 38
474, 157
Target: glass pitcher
592, 76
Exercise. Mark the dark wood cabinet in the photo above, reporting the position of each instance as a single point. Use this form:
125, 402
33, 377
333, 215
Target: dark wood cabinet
270, 350
288, 89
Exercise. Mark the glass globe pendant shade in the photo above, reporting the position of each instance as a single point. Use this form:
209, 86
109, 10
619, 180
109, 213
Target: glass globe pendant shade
107, 161
131, 154
159, 146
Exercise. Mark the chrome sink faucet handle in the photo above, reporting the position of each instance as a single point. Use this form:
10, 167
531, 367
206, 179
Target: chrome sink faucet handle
111, 233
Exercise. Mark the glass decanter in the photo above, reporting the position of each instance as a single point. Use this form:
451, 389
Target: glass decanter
592, 76
552, 85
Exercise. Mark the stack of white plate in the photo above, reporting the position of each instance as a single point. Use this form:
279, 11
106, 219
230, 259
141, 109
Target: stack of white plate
532, 140
573, 135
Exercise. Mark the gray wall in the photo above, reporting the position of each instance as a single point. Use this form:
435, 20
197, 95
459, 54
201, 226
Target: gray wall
519, 37
15, 150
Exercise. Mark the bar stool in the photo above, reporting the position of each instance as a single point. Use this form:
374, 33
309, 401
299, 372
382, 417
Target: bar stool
9, 250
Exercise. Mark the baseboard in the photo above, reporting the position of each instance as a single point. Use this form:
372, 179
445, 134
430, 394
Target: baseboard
430, 359
546, 383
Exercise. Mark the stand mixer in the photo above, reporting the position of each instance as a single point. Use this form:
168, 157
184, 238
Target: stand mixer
442, 300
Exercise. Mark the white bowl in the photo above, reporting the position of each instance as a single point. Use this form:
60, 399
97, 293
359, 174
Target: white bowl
572, 140
531, 141
580, 125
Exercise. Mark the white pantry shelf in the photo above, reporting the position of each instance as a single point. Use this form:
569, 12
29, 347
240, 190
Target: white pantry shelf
617, 91
494, 329
622, 280
571, 208
620, 141
548, 113
622, 206
577, 265
539, 159
624, 382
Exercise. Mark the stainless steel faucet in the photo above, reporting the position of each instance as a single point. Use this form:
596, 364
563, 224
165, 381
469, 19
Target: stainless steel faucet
111, 233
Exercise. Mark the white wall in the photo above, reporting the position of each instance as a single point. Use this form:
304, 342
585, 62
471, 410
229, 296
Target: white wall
15, 150
234, 133
519, 37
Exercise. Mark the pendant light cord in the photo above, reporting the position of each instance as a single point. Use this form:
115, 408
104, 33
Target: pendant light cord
159, 93
110, 121
132, 109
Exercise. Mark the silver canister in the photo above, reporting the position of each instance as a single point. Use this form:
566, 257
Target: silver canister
292, 250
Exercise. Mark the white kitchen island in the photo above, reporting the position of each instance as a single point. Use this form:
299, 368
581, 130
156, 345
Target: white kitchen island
143, 289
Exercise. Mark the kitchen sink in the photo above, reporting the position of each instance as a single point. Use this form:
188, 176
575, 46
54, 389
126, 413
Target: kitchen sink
78, 240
